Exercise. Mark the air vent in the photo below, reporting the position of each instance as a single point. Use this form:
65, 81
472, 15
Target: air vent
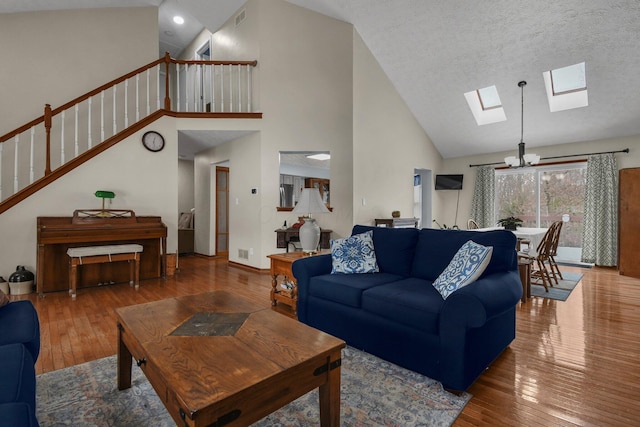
241, 17
243, 253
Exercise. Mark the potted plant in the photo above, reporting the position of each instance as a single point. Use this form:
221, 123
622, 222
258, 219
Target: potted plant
510, 223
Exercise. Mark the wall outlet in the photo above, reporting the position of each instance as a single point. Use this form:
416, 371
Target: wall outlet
250, 251
254, 191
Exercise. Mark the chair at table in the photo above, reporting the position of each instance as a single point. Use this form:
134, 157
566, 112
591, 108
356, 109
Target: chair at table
472, 225
553, 265
539, 260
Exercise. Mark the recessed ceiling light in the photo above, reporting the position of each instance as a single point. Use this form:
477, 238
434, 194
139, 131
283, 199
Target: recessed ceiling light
178, 20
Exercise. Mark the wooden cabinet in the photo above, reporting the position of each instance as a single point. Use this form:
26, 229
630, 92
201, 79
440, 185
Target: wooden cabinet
629, 222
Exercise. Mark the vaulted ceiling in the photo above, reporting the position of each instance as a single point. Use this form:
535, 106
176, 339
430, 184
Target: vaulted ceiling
435, 51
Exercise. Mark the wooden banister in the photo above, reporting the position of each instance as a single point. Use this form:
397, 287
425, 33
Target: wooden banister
51, 125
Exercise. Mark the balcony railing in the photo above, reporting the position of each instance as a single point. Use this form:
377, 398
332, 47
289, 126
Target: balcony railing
47, 143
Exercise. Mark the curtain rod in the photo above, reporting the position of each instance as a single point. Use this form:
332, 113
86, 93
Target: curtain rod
626, 150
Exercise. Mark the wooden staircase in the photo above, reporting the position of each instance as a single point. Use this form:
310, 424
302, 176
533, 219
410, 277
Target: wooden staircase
97, 120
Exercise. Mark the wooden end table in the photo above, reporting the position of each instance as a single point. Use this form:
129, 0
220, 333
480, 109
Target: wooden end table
281, 266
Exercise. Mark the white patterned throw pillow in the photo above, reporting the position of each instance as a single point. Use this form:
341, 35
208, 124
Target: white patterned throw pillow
354, 254
466, 266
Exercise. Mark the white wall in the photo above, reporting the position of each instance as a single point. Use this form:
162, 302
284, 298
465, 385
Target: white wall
243, 158
320, 90
461, 165
53, 57
388, 144
306, 81
143, 181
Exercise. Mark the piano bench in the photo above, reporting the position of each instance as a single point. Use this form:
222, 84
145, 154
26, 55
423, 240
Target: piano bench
100, 254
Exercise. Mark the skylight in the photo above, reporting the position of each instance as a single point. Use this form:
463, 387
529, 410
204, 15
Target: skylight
489, 98
566, 87
485, 105
568, 79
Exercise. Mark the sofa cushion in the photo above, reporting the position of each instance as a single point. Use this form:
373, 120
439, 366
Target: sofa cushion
412, 302
466, 266
347, 288
436, 248
394, 247
354, 254
17, 375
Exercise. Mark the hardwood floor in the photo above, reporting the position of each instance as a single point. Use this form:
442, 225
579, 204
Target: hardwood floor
572, 363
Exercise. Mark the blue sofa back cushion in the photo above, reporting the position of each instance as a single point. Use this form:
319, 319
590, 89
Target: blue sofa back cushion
436, 248
394, 247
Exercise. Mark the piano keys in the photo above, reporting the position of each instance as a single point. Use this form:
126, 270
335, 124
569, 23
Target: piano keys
94, 228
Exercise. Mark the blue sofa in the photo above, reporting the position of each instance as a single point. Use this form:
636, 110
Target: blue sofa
19, 350
396, 314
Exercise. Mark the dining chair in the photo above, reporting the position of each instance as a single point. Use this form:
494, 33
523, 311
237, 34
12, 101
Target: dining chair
539, 260
472, 225
553, 251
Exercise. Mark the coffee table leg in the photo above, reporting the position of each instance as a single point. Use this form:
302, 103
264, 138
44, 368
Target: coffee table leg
124, 363
330, 395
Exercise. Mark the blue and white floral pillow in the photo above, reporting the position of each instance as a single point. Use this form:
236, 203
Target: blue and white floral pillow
466, 266
354, 254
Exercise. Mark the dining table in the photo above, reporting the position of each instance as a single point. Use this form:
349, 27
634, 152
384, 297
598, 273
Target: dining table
532, 234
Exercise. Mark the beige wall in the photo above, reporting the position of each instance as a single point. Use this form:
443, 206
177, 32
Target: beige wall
446, 213
307, 105
388, 144
142, 181
53, 57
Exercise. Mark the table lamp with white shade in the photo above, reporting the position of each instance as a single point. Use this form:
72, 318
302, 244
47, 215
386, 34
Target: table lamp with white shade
310, 202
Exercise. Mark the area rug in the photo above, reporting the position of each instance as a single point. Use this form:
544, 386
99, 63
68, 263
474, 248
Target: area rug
561, 291
373, 393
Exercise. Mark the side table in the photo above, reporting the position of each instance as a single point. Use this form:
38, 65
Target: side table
281, 266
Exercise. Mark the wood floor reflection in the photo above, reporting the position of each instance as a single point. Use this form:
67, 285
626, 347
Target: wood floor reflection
572, 363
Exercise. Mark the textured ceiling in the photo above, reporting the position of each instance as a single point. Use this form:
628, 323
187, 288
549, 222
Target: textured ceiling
435, 51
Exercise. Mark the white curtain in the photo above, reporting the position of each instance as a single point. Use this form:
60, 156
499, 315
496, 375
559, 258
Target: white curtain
600, 228
484, 195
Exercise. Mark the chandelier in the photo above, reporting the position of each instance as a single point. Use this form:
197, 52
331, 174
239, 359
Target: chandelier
523, 159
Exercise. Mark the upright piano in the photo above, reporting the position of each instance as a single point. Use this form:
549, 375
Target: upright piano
97, 228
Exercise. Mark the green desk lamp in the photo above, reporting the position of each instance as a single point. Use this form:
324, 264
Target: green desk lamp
103, 194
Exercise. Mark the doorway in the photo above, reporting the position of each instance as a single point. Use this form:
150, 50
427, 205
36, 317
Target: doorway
222, 211
422, 197
204, 77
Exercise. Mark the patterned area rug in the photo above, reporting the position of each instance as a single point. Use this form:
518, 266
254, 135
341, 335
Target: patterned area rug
373, 393
560, 291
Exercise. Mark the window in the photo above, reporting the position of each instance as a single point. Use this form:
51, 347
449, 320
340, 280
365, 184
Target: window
485, 105
566, 87
542, 195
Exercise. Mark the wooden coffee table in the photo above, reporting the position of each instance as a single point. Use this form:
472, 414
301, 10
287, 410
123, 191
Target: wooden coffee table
219, 359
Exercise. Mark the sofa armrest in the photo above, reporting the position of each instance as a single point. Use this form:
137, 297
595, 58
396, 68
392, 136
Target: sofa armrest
473, 305
303, 270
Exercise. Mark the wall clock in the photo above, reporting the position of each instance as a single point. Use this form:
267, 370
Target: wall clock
153, 141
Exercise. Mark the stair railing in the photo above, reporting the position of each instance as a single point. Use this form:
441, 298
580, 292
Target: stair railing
64, 134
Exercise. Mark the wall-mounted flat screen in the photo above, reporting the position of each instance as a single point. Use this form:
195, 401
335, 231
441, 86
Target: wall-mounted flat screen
449, 182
